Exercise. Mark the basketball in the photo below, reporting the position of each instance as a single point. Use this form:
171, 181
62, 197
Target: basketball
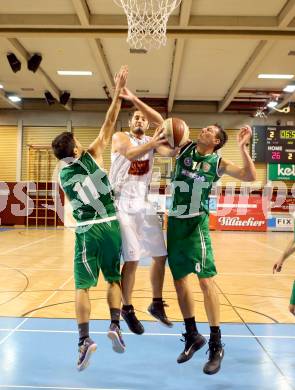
176, 131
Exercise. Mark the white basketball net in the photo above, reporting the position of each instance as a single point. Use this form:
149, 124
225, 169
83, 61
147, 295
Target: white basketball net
147, 21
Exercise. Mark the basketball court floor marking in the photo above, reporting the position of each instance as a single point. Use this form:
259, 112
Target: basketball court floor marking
42, 304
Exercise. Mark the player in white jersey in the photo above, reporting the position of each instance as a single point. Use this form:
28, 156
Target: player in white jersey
142, 236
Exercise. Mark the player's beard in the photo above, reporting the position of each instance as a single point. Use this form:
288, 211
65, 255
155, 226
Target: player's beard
138, 131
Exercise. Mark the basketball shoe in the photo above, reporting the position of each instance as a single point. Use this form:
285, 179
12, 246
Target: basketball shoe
157, 310
85, 352
115, 335
131, 320
216, 353
193, 342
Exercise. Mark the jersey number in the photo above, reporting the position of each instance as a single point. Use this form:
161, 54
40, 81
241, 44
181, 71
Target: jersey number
80, 191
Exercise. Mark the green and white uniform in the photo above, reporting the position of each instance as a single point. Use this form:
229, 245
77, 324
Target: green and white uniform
188, 239
98, 239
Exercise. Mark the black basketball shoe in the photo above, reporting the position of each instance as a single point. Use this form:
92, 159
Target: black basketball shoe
157, 310
131, 320
216, 353
193, 342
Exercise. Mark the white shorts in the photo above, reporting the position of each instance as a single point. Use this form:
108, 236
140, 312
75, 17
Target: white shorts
142, 234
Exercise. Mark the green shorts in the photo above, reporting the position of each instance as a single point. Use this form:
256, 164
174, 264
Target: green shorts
292, 299
189, 247
97, 246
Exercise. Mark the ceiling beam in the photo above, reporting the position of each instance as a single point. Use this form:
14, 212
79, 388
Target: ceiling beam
102, 63
287, 14
82, 11
39, 20
176, 66
285, 17
95, 45
119, 21
46, 80
178, 53
226, 21
287, 99
4, 97
173, 33
256, 57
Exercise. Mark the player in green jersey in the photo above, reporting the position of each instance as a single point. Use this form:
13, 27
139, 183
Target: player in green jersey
98, 239
279, 265
198, 166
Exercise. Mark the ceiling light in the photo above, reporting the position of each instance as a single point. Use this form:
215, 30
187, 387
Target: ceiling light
14, 98
272, 104
74, 73
289, 88
276, 76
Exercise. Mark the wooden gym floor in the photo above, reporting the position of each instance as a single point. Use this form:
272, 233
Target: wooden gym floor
36, 278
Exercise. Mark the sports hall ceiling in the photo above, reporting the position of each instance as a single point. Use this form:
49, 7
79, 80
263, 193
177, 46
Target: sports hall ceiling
214, 52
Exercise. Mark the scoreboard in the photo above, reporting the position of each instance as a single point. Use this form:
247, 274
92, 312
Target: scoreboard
273, 144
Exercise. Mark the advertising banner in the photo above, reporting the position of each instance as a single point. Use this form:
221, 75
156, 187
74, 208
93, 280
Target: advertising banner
240, 213
283, 223
281, 172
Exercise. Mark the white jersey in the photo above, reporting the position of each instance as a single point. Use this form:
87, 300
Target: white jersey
130, 179
140, 227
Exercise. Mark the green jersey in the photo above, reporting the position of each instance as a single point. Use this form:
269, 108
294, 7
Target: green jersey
88, 189
192, 181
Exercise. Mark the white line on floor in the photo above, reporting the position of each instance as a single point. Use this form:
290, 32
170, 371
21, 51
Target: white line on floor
42, 304
145, 334
266, 245
25, 245
250, 274
54, 387
219, 273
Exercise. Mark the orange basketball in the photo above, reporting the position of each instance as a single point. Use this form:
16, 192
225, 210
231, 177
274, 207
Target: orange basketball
176, 131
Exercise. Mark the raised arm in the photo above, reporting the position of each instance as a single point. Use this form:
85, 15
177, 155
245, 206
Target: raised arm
152, 115
99, 144
247, 172
121, 144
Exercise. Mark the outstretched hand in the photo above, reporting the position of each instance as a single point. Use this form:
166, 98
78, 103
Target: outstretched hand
121, 77
244, 135
158, 138
126, 94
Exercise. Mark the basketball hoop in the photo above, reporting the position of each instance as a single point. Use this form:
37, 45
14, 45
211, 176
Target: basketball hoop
147, 21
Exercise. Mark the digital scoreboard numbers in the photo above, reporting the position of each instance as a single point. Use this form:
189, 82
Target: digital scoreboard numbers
280, 145
273, 144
